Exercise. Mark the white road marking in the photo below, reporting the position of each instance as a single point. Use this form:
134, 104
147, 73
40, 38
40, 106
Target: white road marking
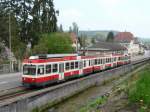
4, 82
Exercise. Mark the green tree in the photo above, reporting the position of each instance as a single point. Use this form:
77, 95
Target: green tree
75, 28
33, 17
4, 35
93, 40
54, 43
60, 28
82, 40
110, 37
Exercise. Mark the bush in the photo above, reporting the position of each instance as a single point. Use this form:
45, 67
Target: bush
140, 92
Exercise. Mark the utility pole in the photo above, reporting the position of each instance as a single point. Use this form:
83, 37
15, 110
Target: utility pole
9, 32
10, 41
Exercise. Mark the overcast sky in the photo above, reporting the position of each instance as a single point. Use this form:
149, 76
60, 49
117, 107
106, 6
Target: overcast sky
120, 15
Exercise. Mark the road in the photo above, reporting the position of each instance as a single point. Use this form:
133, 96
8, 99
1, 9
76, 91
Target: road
12, 80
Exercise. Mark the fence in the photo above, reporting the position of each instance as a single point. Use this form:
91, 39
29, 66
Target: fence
10, 68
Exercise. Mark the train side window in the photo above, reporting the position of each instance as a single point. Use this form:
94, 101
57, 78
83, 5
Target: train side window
89, 62
55, 68
119, 58
98, 61
72, 65
95, 61
81, 64
40, 70
84, 63
106, 60
48, 69
112, 59
76, 65
67, 66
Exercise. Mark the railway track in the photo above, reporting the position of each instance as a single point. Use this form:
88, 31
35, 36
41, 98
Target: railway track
8, 96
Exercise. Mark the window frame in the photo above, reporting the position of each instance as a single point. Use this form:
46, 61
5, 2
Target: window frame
55, 68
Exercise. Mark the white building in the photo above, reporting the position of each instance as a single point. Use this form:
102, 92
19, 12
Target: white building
132, 44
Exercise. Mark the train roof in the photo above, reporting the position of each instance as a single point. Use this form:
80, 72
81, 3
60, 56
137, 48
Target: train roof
57, 58
46, 56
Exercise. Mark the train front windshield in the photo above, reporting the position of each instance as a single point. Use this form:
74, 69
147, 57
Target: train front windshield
29, 70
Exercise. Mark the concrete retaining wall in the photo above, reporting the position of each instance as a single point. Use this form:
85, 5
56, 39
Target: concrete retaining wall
59, 92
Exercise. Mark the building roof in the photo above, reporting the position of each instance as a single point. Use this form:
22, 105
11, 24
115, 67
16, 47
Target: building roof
124, 37
106, 46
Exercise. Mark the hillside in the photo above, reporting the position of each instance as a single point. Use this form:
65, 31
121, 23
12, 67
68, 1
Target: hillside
99, 35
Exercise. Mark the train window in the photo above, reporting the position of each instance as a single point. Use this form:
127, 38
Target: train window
100, 61
95, 61
67, 66
112, 59
76, 65
48, 69
84, 63
72, 65
55, 68
89, 62
29, 69
40, 70
103, 61
81, 64
106, 60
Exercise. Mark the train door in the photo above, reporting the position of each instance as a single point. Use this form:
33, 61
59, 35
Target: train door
81, 67
61, 71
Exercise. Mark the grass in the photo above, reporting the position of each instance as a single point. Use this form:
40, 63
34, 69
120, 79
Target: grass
139, 93
92, 106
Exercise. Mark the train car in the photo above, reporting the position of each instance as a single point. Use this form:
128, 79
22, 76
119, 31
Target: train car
42, 70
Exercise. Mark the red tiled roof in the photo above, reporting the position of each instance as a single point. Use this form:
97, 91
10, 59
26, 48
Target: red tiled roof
124, 37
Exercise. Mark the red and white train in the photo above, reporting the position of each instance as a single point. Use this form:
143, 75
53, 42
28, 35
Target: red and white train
46, 69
